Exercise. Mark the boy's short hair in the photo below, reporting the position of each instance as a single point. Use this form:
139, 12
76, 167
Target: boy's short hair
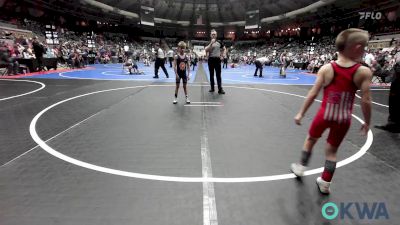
182, 45
351, 36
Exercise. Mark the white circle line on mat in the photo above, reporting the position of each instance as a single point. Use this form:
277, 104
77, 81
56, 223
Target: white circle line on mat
376, 103
268, 83
27, 93
50, 150
270, 77
62, 74
125, 74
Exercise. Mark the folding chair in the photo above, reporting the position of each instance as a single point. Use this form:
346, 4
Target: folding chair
24, 68
3, 70
376, 79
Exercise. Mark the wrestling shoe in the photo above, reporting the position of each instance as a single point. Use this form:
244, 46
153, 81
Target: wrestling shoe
323, 186
298, 169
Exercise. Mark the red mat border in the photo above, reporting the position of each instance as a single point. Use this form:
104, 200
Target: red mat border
43, 73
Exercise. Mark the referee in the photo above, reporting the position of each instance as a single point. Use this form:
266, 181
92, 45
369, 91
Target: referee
260, 62
393, 124
215, 51
160, 61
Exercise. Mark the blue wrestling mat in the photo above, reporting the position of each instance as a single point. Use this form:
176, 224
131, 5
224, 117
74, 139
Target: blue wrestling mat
115, 72
244, 74
240, 75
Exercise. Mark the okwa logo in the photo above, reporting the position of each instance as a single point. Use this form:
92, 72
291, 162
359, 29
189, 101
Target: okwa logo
372, 15
355, 210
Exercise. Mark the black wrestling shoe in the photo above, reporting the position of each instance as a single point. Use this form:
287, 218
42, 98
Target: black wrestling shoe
390, 128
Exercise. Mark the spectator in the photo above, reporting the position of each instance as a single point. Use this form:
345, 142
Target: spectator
6, 61
369, 57
39, 50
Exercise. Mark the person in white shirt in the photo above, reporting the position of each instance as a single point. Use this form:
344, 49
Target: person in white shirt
397, 56
170, 55
369, 58
146, 60
260, 62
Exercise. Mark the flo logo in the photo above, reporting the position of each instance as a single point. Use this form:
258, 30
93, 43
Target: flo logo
372, 15
355, 210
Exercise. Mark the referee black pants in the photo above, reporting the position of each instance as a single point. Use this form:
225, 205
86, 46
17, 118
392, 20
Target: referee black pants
171, 59
214, 64
225, 63
39, 59
160, 63
258, 67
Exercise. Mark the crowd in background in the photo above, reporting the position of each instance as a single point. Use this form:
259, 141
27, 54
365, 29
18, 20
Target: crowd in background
311, 55
74, 50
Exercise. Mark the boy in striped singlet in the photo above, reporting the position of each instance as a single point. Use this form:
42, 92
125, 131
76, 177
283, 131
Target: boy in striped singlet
340, 80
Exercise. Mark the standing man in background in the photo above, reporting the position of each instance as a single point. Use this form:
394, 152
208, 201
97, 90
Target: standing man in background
170, 55
160, 61
215, 51
369, 58
39, 50
225, 59
283, 58
194, 60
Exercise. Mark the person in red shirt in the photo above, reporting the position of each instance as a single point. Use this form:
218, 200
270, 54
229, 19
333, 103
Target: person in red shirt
7, 59
340, 80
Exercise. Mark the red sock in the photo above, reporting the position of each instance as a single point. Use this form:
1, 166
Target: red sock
327, 176
329, 170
